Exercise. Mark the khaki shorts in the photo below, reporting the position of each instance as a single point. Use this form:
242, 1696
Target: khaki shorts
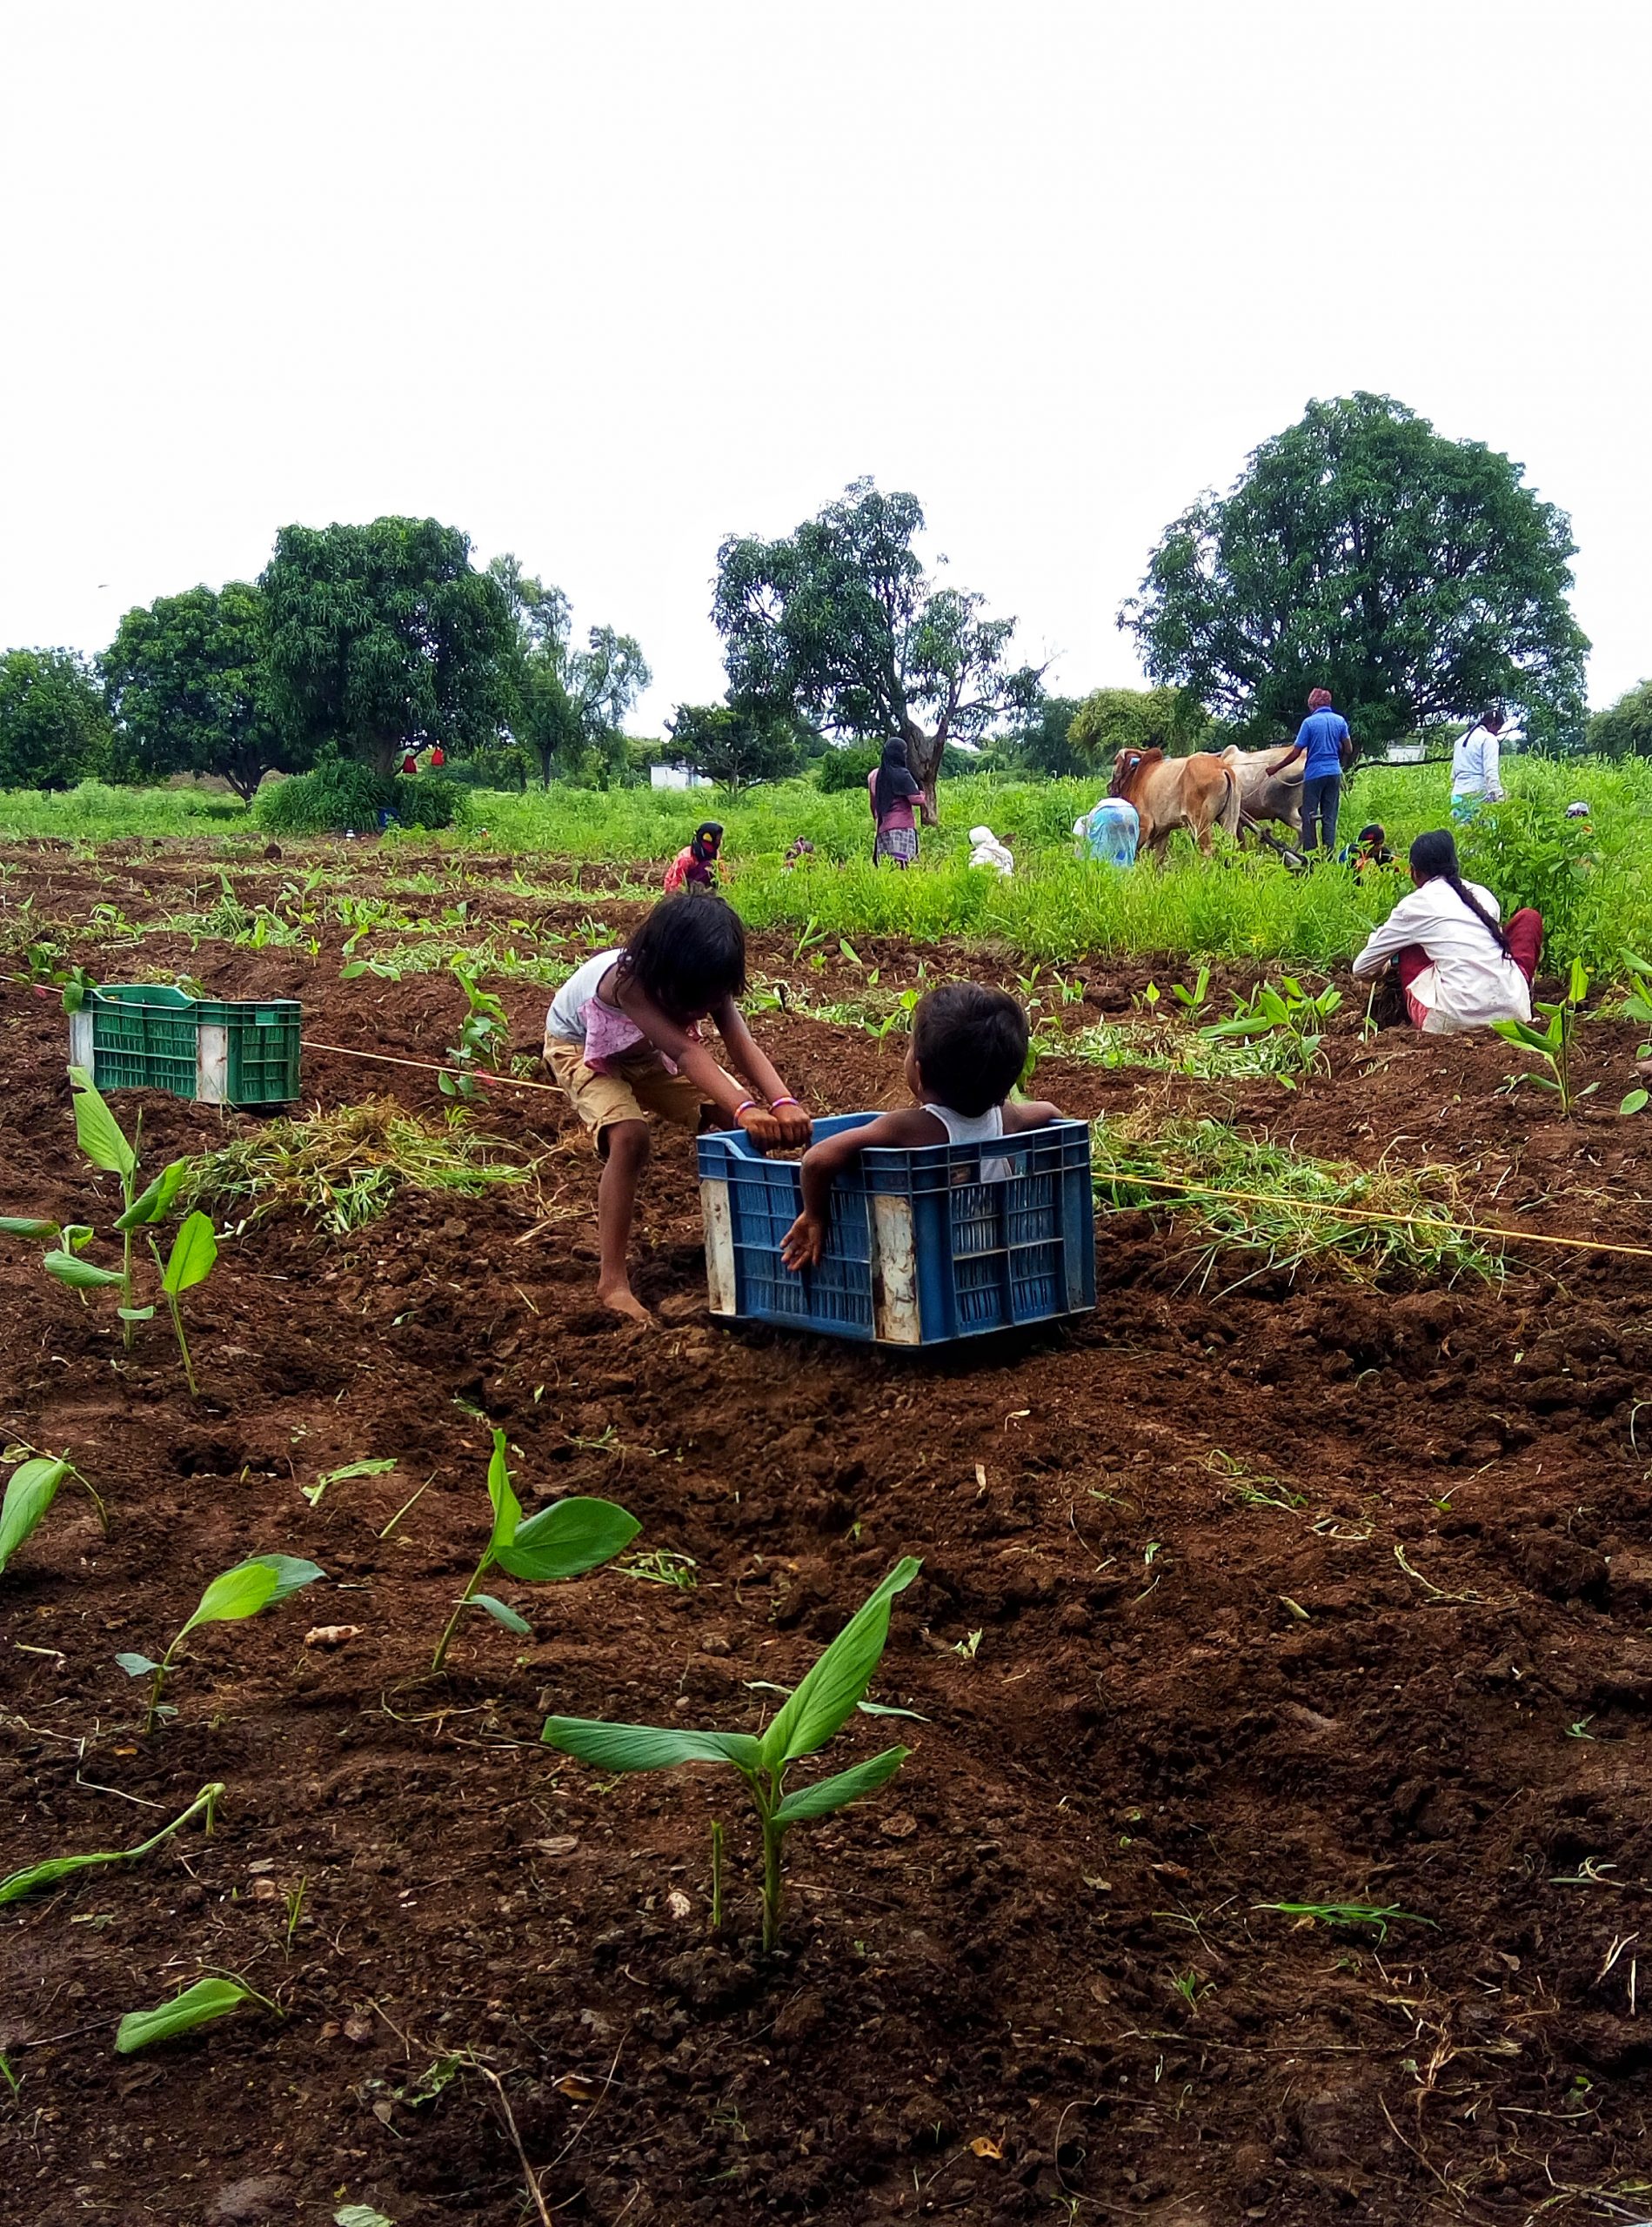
634, 1086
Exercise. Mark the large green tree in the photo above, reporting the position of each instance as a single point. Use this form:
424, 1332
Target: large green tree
1419, 579
1111, 719
1624, 729
385, 638
53, 728
568, 705
840, 623
188, 683
737, 745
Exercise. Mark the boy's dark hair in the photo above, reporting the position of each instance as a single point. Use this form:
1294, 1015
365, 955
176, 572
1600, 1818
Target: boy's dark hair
970, 1044
687, 955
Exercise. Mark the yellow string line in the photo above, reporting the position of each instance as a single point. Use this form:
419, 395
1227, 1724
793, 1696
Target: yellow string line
1392, 1220
1141, 1182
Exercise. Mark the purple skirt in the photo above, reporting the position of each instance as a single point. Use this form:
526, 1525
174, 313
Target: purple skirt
899, 844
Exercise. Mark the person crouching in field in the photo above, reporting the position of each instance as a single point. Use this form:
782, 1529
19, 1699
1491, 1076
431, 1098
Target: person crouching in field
696, 867
968, 1046
622, 1038
1458, 969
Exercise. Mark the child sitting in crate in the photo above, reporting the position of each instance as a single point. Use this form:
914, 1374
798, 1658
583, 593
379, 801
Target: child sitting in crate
622, 1036
968, 1048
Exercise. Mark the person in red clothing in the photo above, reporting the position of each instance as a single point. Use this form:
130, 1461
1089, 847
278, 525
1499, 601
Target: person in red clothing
696, 867
409, 764
439, 758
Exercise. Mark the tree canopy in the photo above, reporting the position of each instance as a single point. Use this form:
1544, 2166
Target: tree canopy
187, 681
383, 639
840, 623
53, 728
1111, 719
568, 705
736, 745
1416, 578
1624, 730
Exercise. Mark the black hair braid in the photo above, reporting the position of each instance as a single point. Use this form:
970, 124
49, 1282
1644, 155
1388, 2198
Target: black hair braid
1479, 911
1434, 857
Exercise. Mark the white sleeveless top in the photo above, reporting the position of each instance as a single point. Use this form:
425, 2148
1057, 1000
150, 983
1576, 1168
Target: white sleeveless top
974, 1129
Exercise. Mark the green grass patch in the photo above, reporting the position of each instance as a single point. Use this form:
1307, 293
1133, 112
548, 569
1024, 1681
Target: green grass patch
344, 1168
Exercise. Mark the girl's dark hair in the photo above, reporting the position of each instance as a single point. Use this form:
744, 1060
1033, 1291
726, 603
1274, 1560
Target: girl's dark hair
894, 777
1434, 857
687, 955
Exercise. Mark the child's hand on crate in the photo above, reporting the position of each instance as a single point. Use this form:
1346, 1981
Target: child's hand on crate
773, 1128
803, 1244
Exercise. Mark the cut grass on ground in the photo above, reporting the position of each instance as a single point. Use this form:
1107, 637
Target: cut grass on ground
1244, 1194
346, 1165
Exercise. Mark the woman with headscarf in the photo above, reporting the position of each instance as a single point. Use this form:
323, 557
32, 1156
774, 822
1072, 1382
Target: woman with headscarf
1458, 966
696, 867
893, 795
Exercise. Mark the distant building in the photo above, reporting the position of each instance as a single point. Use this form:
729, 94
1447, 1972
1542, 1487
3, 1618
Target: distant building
676, 777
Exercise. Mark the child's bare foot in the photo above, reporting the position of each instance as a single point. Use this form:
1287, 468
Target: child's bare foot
621, 1300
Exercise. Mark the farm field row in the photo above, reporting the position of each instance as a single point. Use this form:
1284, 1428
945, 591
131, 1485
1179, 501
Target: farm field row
1319, 1588
1054, 909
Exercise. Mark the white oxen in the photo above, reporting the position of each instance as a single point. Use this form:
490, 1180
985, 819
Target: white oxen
1264, 795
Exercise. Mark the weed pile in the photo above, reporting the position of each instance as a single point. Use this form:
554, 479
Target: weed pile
1246, 1194
346, 1165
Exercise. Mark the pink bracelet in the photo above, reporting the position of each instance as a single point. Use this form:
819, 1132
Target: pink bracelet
745, 1106
777, 1102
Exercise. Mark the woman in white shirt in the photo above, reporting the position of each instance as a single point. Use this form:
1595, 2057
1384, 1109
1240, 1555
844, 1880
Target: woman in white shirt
1458, 968
1476, 767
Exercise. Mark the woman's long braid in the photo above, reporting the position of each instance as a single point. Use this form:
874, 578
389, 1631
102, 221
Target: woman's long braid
1434, 857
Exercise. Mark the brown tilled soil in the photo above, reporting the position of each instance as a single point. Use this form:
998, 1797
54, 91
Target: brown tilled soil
1242, 1591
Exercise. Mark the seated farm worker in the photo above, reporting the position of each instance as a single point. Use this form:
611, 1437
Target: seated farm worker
896, 800
1477, 766
696, 867
622, 1038
1371, 850
409, 764
1109, 832
968, 1046
986, 850
1458, 968
1326, 748
796, 852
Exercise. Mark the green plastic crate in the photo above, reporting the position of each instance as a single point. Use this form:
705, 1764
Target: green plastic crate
219, 1051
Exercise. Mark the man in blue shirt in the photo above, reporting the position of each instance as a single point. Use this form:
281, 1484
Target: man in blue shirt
1323, 742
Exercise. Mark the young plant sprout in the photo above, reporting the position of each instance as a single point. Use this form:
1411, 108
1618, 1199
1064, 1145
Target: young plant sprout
105, 1144
238, 1593
30, 1491
208, 1999
1552, 1043
563, 1540
55, 1868
816, 1710
195, 1251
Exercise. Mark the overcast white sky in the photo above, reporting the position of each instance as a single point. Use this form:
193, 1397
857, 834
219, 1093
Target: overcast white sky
602, 283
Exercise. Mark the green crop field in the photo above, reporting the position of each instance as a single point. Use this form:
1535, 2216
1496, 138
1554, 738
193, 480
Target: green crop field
1591, 882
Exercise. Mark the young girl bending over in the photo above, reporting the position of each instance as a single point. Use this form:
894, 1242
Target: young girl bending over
622, 1037
1458, 968
969, 1046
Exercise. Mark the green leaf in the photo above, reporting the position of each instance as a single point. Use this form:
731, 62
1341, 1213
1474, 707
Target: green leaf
98, 1133
566, 1539
375, 1467
830, 1794
508, 1508
207, 1999
1633, 1102
883, 1709
646, 1747
26, 1226
360, 2215
251, 1586
32, 1489
137, 1666
502, 1615
1577, 983
194, 1250
157, 1201
136, 1313
80, 1276
827, 1695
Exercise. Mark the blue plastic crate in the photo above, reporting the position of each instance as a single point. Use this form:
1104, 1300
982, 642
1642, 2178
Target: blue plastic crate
920, 1250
